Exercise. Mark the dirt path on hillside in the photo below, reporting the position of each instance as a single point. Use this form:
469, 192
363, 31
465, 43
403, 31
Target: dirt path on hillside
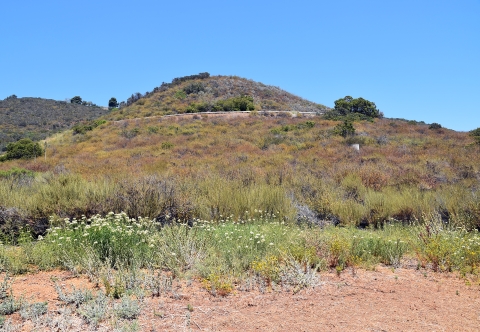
380, 300
225, 115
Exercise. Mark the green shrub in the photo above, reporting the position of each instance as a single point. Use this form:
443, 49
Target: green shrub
16, 173
180, 94
356, 105
94, 311
22, 149
194, 88
34, 310
82, 128
115, 239
167, 145
127, 308
130, 133
235, 104
353, 109
362, 140
476, 135
198, 107
344, 129
9, 305
287, 128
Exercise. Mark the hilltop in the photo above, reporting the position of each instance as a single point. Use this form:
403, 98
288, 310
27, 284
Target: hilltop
202, 92
37, 118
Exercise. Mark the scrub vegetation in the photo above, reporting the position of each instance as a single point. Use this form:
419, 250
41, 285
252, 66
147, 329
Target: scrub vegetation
38, 118
252, 201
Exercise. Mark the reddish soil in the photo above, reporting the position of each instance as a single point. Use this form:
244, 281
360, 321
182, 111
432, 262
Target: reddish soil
380, 300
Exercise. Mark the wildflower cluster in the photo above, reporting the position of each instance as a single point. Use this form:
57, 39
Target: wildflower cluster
451, 249
114, 237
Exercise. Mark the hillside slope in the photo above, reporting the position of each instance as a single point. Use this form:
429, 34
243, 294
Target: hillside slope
37, 118
203, 92
213, 165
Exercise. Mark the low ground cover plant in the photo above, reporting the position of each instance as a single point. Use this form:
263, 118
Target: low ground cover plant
132, 258
114, 248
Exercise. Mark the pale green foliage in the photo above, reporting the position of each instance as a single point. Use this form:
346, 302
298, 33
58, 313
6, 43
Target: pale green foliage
76, 296
128, 308
95, 310
33, 310
9, 305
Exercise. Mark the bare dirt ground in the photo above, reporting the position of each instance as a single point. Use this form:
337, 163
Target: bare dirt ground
381, 300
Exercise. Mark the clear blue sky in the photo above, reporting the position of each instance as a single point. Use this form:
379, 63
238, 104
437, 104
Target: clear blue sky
415, 59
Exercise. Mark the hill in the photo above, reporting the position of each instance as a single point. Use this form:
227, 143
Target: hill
216, 164
37, 118
172, 212
213, 165
202, 93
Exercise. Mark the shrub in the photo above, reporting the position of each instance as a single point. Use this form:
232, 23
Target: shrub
129, 134
179, 80
476, 135
180, 94
198, 107
83, 127
77, 296
16, 173
475, 132
22, 149
435, 126
167, 145
115, 239
34, 310
344, 129
218, 284
76, 100
9, 306
267, 268
287, 128
127, 308
348, 106
194, 88
95, 310
235, 104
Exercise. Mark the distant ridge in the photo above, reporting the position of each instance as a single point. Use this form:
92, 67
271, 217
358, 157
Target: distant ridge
36, 118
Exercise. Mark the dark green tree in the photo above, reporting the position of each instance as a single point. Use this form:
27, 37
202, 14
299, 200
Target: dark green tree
476, 135
76, 100
348, 105
475, 132
113, 103
23, 149
435, 126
